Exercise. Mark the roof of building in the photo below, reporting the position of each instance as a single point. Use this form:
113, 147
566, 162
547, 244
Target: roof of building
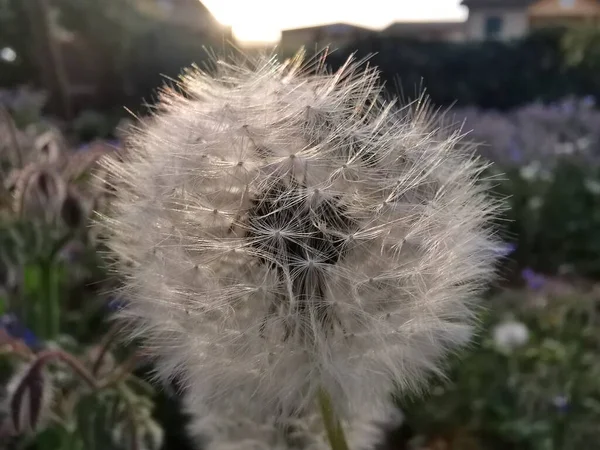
414, 27
523, 3
338, 27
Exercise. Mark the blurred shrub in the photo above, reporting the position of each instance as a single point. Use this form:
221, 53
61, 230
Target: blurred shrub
485, 74
123, 53
90, 125
64, 394
24, 105
64, 384
161, 54
13, 36
536, 132
531, 382
114, 52
550, 160
581, 46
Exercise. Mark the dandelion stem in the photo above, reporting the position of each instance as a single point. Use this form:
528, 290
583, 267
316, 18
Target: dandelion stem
333, 427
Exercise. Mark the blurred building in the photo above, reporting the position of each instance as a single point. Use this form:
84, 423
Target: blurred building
427, 31
335, 35
497, 19
512, 19
191, 14
564, 12
488, 20
91, 68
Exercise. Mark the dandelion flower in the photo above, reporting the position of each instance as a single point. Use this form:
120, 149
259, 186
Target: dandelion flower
282, 229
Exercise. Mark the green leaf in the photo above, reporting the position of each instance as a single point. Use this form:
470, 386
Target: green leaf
55, 438
32, 279
97, 415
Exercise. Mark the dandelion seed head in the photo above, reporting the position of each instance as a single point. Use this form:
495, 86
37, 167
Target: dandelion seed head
282, 229
229, 430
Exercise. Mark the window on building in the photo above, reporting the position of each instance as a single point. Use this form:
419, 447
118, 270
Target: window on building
493, 27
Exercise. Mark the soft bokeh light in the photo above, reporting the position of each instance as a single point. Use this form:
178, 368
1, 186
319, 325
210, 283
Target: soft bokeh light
8, 54
263, 20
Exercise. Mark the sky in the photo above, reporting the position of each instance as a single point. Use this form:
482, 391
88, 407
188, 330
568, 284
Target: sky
263, 20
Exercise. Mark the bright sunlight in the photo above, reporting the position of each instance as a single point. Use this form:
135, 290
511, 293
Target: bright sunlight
263, 20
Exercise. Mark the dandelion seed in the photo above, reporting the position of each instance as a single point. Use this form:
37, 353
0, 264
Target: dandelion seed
282, 232
305, 432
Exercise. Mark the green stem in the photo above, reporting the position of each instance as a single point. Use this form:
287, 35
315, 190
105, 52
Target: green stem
51, 301
51, 283
333, 427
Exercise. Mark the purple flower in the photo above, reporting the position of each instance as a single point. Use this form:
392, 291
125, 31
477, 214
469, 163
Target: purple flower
567, 107
561, 403
11, 324
589, 101
535, 281
514, 152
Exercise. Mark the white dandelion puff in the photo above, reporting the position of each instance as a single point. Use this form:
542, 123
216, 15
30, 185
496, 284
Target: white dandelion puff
510, 335
230, 431
283, 230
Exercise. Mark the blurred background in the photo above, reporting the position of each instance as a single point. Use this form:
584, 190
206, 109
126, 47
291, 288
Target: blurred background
521, 76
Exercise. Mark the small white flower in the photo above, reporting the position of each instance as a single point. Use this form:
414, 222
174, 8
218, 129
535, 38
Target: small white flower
566, 148
584, 143
593, 186
8, 54
531, 171
535, 202
510, 335
546, 175
560, 402
282, 232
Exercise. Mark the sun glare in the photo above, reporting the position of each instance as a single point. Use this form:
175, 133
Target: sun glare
253, 32
262, 20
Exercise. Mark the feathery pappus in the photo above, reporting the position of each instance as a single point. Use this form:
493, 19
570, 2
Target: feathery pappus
283, 229
227, 430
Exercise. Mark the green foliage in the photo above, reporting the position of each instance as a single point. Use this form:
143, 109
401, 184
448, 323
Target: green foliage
132, 51
110, 26
43, 275
553, 216
84, 399
24, 105
542, 395
109, 29
581, 46
91, 125
65, 383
